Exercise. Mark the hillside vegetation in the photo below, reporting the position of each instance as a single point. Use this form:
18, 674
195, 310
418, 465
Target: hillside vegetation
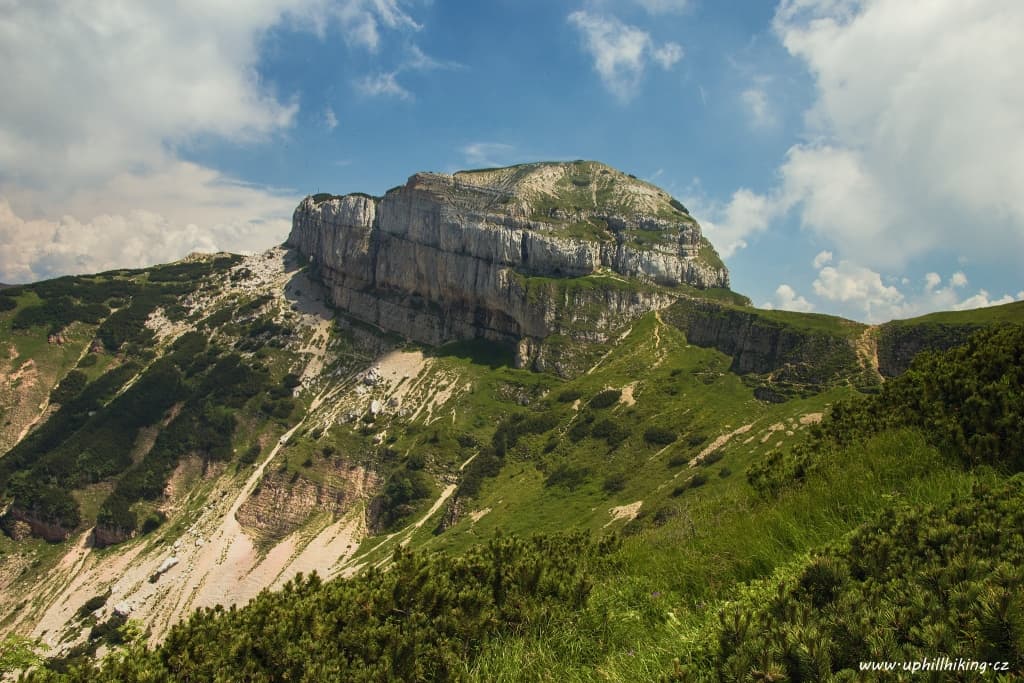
719, 537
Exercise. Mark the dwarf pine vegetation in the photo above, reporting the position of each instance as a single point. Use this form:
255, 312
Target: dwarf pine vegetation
894, 530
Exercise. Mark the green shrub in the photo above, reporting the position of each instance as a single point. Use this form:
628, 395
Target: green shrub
614, 483
969, 400
678, 460
907, 585
568, 396
612, 431
70, 387
153, 521
604, 399
567, 477
661, 436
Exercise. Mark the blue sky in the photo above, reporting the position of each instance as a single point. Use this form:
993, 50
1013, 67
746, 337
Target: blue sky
856, 157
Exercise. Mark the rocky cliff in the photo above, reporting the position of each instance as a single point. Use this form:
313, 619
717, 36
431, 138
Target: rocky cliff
780, 353
512, 254
900, 342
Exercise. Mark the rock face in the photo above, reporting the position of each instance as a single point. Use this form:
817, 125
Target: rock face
22, 523
524, 252
280, 505
899, 343
786, 360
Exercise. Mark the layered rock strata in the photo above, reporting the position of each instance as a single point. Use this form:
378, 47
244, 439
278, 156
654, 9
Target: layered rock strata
527, 252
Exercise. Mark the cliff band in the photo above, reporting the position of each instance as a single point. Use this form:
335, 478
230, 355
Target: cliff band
514, 254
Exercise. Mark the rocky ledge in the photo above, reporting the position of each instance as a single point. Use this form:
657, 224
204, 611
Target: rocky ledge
515, 254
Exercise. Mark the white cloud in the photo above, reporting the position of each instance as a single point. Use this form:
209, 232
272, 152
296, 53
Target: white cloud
621, 52
487, 154
664, 6
728, 226
823, 258
383, 85
361, 19
100, 95
787, 299
863, 293
848, 282
420, 61
188, 208
755, 100
330, 119
917, 128
667, 55
91, 88
386, 83
981, 300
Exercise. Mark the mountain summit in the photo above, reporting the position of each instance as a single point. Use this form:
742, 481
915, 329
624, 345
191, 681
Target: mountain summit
516, 254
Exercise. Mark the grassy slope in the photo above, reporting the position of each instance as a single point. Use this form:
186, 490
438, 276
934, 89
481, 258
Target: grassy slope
1006, 313
690, 550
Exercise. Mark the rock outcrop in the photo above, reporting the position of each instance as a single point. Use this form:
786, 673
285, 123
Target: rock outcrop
781, 360
524, 252
17, 522
899, 342
282, 504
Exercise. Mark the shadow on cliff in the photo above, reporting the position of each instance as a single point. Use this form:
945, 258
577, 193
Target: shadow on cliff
302, 292
479, 352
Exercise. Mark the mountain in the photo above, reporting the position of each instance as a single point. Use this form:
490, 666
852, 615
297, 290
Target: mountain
423, 381
550, 256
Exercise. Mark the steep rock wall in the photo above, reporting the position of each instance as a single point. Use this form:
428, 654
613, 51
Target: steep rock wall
438, 260
898, 343
792, 360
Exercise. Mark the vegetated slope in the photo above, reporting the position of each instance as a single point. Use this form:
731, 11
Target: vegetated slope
732, 581
224, 442
900, 340
186, 389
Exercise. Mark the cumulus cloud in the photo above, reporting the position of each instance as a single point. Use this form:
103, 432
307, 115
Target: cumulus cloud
667, 55
729, 225
864, 294
787, 299
848, 282
917, 128
823, 258
100, 95
621, 52
756, 102
188, 208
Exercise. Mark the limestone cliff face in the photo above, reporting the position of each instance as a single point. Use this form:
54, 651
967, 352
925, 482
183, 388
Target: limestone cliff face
281, 505
787, 360
21, 523
899, 343
509, 254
